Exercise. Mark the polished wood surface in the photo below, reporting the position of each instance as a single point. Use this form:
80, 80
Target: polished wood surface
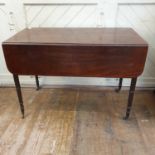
89, 52
75, 61
89, 123
80, 36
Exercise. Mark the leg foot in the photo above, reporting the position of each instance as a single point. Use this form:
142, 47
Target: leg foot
120, 85
19, 93
125, 118
37, 82
130, 98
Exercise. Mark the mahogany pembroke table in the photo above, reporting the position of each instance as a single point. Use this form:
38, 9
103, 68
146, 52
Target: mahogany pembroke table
81, 52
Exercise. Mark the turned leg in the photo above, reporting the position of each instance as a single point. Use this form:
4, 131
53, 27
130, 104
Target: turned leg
130, 98
37, 83
19, 93
120, 85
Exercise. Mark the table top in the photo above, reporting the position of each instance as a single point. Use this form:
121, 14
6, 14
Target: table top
80, 36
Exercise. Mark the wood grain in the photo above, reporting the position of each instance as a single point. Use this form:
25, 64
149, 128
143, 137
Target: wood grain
83, 52
76, 122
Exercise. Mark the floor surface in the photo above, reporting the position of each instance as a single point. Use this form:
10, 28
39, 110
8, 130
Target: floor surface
76, 122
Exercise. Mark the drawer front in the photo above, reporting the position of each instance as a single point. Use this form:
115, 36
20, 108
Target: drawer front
86, 61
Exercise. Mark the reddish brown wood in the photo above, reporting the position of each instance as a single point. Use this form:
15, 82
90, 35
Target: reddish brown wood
89, 52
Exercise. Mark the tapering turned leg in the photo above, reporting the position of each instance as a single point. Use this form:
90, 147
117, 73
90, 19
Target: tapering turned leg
19, 93
120, 85
130, 98
37, 83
